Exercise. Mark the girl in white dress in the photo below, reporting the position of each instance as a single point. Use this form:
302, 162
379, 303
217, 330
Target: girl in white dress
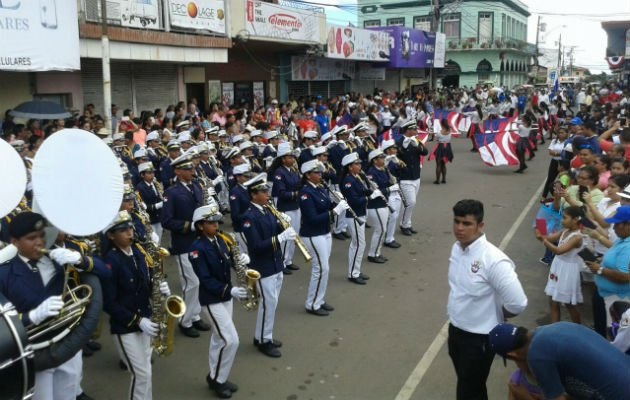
563, 285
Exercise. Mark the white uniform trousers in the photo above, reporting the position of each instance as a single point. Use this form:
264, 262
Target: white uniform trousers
410, 189
319, 248
377, 218
288, 248
242, 242
395, 203
223, 340
357, 247
134, 349
190, 290
224, 197
157, 228
340, 224
269, 289
59, 383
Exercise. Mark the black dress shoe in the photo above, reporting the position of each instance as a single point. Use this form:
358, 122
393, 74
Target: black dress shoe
212, 384
190, 332
358, 280
365, 277
405, 231
346, 235
413, 231
377, 259
201, 326
319, 312
393, 244
94, 345
287, 271
84, 396
275, 342
327, 307
292, 267
339, 236
87, 352
269, 350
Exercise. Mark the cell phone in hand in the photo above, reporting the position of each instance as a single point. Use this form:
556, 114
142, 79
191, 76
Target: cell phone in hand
587, 223
587, 255
541, 226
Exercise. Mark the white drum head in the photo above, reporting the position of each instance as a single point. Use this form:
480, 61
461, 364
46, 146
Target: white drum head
77, 182
12, 179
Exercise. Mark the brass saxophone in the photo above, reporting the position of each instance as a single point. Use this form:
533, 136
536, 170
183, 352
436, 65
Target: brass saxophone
286, 225
246, 277
164, 310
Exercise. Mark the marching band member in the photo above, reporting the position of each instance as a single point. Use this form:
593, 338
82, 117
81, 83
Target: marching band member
308, 141
139, 156
265, 237
378, 213
393, 166
337, 149
355, 192
234, 158
180, 201
166, 171
126, 295
247, 151
239, 203
285, 191
211, 261
151, 193
410, 151
33, 283
317, 212
269, 153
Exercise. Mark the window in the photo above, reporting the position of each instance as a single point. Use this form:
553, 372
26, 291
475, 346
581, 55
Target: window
483, 70
451, 25
486, 24
371, 23
396, 21
503, 26
422, 23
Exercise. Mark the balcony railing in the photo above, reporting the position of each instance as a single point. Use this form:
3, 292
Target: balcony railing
472, 43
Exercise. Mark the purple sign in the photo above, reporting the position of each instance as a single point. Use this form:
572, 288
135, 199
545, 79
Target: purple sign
409, 48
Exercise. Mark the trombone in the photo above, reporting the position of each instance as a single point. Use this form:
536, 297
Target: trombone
286, 225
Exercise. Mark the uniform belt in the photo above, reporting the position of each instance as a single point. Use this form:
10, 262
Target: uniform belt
458, 331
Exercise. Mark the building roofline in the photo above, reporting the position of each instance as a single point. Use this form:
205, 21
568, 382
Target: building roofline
515, 4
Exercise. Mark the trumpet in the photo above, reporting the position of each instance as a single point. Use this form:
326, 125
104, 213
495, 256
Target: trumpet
373, 187
286, 225
338, 199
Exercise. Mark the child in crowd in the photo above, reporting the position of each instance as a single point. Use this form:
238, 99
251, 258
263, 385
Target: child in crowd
563, 285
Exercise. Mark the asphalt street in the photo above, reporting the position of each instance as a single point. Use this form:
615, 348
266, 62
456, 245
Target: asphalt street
371, 345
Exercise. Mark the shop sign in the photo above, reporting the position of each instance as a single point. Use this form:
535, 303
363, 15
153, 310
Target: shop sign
214, 91
39, 35
259, 94
276, 21
440, 50
227, 94
304, 68
410, 48
198, 14
349, 43
144, 14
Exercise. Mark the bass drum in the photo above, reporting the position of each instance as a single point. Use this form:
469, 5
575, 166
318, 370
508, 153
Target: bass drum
16, 359
60, 352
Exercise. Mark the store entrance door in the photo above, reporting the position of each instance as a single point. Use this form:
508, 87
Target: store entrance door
197, 90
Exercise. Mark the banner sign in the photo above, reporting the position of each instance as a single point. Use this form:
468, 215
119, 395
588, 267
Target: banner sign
227, 95
410, 48
351, 43
206, 15
259, 94
275, 21
144, 14
304, 68
39, 35
440, 50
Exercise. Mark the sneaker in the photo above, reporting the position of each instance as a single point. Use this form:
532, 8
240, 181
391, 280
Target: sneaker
544, 261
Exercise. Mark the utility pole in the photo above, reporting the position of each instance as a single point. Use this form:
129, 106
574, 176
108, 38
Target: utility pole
537, 50
107, 83
435, 18
559, 52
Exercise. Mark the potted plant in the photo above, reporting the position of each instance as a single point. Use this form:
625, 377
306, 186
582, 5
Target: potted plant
484, 45
452, 44
498, 43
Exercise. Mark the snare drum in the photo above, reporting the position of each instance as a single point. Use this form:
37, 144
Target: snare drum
16, 357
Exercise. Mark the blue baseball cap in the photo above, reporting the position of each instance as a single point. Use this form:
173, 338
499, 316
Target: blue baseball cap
576, 121
622, 215
504, 338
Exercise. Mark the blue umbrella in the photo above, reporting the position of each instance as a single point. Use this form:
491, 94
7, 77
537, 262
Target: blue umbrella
40, 110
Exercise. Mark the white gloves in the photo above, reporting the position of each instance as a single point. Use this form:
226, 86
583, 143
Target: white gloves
158, 205
341, 207
239, 293
217, 180
375, 194
48, 308
147, 327
394, 188
286, 217
65, 256
244, 259
339, 195
155, 238
331, 144
211, 191
268, 161
287, 234
164, 289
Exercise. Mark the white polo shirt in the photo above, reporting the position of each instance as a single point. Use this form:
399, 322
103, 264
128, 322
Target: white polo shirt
483, 282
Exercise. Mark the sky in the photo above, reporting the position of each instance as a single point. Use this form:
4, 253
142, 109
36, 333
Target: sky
579, 22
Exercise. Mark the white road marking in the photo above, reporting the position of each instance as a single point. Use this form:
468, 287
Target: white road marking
428, 357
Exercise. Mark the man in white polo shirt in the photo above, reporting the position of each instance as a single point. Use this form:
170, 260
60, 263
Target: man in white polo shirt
485, 290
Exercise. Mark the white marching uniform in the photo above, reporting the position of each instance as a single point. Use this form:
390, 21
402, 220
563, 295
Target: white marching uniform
378, 220
395, 203
59, 383
134, 349
357, 246
410, 190
288, 247
224, 340
269, 288
320, 248
190, 290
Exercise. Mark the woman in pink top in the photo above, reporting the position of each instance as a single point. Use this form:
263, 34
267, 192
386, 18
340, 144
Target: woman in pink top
217, 115
602, 163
